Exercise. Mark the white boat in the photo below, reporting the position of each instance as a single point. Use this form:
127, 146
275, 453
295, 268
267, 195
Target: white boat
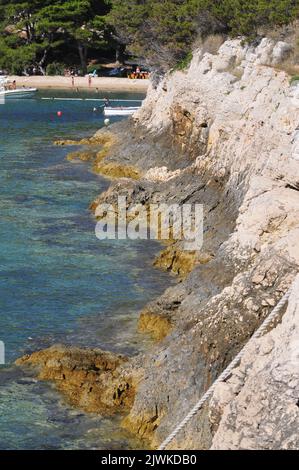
7, 92
18, 93
120, 111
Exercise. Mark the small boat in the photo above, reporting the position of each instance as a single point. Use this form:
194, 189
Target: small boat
120, 111
18, 93
8, 92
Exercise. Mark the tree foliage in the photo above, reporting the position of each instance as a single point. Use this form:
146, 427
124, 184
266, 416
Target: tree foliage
159, 32
162, 31
31, 31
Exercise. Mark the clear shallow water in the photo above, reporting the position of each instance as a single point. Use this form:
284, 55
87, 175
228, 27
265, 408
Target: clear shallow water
58, 283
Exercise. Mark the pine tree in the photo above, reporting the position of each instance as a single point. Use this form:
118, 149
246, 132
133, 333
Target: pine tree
31, 30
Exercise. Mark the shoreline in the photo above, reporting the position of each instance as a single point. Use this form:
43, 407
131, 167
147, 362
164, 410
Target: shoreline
98, 83
156, 324
183, 147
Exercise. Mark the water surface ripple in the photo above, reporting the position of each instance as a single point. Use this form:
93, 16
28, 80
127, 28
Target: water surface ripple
58, 283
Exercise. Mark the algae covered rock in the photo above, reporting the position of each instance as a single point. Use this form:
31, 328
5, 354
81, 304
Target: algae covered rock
158, 326
90, 379
117, 170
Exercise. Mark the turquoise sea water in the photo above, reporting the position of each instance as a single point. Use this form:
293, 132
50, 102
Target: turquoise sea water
58, 283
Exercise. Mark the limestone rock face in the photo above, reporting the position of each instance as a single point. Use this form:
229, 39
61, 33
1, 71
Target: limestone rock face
258, 407
238, 119
235, 117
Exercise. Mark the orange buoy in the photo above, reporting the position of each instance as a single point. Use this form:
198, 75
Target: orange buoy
59, 113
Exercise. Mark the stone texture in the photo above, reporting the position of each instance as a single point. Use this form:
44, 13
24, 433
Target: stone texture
258, 407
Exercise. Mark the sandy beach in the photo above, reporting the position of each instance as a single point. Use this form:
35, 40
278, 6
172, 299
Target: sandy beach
100, 83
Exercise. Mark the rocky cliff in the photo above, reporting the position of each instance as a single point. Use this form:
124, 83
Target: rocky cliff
235, 116
258, 405
225, 134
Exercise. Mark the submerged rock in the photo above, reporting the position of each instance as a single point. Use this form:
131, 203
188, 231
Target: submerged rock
83, 155
103, 139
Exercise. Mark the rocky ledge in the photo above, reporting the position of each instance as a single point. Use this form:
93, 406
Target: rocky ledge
89, 379
224, 134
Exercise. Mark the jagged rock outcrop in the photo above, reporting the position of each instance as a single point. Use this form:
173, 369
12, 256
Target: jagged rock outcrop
93, 380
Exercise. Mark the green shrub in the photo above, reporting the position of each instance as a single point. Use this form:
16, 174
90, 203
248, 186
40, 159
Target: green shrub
55, 68
163, 32
294, 79
185, 62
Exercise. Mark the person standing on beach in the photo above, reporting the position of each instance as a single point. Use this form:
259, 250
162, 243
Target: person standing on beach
73, 81
89, 81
